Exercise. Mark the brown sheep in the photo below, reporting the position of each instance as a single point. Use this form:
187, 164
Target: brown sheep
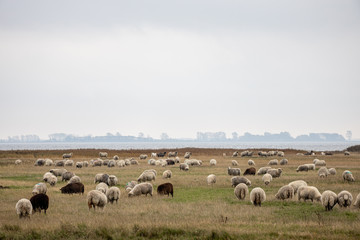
73, 188
250, 171
166, 188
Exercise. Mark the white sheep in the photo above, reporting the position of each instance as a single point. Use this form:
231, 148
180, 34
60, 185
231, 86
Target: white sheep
257, 196
116, 157
102, 187
267, 178
318, 162
66, 176
273, 162
347, 153
52, 180
323, 172
234, 171
212, 162
67, 155
151, 170
96, 198
85, 163
79, 164
332, 171
187, 155
308, 192
347, 176
241, 190
141, 188
146, 176
237, 180
275, 173
281, 154
296, 184
211, 179
235, 154
328, 199
143, 156
39, 188
103, 154
302, 168
345, 199
111, 163
153, 155
284, 161
234, 163
151, 161
251, 162
46, 176
310, 166
113, 194
127, 162
112, 180
357, 201
48, 162
23, 208
285, 192
184, 167
69, 162
263, 170
120, 163
167, 174
18, 162
75, 179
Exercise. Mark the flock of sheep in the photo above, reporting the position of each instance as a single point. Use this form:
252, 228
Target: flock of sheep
107, 192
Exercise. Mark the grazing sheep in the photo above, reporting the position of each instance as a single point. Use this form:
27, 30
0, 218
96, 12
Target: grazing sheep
96, 198
347, 176
235, 154
153, 155
111, 163
69, 162
323, 172
357, 201
224, 154
251, 162
262, 154
52, 180
75, 179
134, 162
18, 162
234, 163
310, 166
103, 154
302, 168
177, 160
263, 170
112, 180
40, 202
59, 163
184, 167
48, 162
170, 162
250, 171
332, 171
71, 188
143, 156
257, 196
246, 154
97, 163
345, 199
39, 188
281, 154
121, 163
347, 153
267, 178
105, 162
79, 164
146, 176
67, 155
166, 188
318, 162
284, 161
273, 162
116, 157
23, 208
167, 174
329, 200
212, 162
130, 185
85, 163
240, 191
161, 154
234, 171
173, 154
308, 192
58, 172
46, 176
275, 173
193, 162
101, 177
66, 176
113, 194
296, 184
187, 155
236, 180
285, 192
141, 188
211, 179
39, 162
151, 170
102, 187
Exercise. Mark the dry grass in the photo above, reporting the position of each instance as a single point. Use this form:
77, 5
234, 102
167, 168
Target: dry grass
196, 211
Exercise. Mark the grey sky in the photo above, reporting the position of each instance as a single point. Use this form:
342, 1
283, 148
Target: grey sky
90, 67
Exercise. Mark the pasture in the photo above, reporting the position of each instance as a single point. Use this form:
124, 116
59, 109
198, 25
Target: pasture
197, 211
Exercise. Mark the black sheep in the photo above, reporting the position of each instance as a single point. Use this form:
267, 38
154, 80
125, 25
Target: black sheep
250, 171
166, 188
73, 188
40, 202
161, 154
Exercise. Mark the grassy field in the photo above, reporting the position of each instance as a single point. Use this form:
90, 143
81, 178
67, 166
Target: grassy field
197, 211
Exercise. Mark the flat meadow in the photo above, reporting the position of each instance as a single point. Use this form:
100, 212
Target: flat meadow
197, 210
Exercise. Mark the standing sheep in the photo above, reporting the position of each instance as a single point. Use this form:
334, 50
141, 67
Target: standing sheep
146, 176
103, 154
257, 196
166, 188
347, 176
111, 163
40, 202
23, 208
236, 180
297, 184
250, 171
308, 192
75, 179
285, 192
273, 162
112, 180
332, 171
302, 168
113, 194
323, 172
167, 174
69, 162
251, 162
39, 188
234, 163
143, 156
102, 187
46, 176
310, 166
345, 199
234, 171
58, 172
263, 170
212, 162
184, 167
52, 180
79, 164
48, 162
66, 176
275, 173
141, 188
267, 178
328, 199
18, 162
240, 191
67, 155
101, 177
71, 188
96, 198
211, 179
187, 155
284, 161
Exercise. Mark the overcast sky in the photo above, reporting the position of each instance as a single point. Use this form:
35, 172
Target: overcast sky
92, 67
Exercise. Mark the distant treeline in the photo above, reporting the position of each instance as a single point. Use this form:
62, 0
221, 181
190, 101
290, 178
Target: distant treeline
201, 137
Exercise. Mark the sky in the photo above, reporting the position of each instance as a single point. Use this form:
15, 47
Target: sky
93, 67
